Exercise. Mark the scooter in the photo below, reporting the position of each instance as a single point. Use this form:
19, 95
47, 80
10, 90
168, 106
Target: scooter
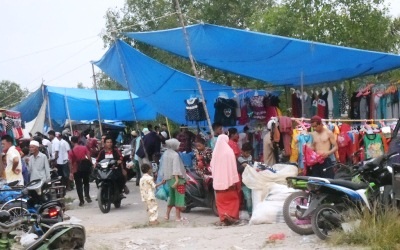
199, 192
106, 181
331, 199
41, 198
63, 235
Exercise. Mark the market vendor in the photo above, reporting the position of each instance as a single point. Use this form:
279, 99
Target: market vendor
325, 145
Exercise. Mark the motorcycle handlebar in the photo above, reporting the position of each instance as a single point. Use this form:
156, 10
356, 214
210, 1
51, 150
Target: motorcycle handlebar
13, 224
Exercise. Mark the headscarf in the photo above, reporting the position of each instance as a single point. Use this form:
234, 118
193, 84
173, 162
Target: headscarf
171, 161
223, 164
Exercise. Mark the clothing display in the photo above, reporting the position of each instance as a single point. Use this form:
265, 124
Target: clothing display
225, 111
195, 110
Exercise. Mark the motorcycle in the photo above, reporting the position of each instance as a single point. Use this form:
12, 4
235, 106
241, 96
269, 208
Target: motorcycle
199, 192
62, 235
332, 199
106, 182
297, 203
41, 198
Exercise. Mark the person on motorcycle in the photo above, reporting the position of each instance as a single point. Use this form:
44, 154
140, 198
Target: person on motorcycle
111, 152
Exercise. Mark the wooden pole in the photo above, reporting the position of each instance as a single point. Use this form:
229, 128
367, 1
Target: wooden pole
302, 91
179, 11
97, 101
67, 108
169, 130
48, 108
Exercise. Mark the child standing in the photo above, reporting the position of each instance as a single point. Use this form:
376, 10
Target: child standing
147, 191
246, 159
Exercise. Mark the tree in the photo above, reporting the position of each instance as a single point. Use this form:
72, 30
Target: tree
363, 24
11, 94
144, 15
80, 86
104, 82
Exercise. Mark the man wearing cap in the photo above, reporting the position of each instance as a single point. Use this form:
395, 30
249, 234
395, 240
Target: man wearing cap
13, 168
38, 164
325, 145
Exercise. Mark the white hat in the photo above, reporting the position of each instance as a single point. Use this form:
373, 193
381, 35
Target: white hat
34, 143
164, 134
269, 124
57, 133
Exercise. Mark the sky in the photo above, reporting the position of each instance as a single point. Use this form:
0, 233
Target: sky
55, 40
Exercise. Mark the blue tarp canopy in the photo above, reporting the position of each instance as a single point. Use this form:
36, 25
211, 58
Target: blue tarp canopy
163, 87
275, 59
114, 105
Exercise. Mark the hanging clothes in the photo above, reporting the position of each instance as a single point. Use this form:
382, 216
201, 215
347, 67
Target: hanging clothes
373, 145
294, 157
344, 143
344, 102
355, 106
330, 103
238, 110
364, 107
307, 106
296, 105
225, 111
303, 139
314, 105
246, 112
285, 128
194, 110
336, 106
323, 105
257, 105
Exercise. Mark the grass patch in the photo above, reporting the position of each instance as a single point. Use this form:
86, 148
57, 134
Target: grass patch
377, 230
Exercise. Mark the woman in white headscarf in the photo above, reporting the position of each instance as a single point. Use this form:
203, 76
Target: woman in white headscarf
175, 176
225, 181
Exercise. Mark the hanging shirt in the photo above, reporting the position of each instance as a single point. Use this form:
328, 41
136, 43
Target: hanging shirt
330, 103
225, 111
364, 109
307, 107
303, 139
321, 105
314, 105
194, 110
355, 106
336, 106
344, 103
373, 145
257, 104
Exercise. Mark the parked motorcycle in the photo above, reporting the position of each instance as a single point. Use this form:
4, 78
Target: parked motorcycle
106, 181
331, 199
199, 192
63, 235
38, 197
297, 203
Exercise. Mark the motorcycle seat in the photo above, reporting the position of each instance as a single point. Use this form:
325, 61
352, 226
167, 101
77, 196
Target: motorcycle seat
349, 184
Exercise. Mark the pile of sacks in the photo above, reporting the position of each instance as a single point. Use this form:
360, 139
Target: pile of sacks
269, 191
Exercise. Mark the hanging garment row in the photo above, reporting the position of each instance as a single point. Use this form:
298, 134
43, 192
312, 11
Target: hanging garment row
327, 104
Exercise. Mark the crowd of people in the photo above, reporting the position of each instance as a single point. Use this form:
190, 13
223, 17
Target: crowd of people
224, 157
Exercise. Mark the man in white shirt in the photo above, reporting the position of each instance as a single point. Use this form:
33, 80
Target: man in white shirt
13, 169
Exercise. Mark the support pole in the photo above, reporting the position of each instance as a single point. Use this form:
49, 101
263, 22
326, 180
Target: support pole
48, 108
67, 108
302, 91
179, 11
169, 130
97, 101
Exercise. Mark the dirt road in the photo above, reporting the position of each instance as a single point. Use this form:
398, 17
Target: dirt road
126, 228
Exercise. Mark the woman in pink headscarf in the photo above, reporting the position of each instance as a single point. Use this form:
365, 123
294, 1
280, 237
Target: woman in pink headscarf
225, 180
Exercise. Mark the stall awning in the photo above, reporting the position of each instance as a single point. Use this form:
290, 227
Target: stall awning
274, 59
163, 87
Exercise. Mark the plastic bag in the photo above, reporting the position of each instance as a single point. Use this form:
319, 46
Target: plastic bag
162, 192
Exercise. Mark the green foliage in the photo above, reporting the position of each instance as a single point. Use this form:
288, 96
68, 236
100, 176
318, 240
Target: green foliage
104, 82
11, 94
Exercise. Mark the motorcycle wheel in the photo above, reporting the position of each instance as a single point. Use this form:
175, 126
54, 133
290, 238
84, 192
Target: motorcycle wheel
214, 206
188, 207
117, 204
322, 223
291, 214
17, 210
103, 199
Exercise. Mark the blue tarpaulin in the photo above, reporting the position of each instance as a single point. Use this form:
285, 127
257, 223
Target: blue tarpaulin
163, 87
114, 105
275, 59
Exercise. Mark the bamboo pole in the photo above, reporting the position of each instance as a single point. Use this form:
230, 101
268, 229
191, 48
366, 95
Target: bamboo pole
48, 108
169, 130
97, 101
179, 11
67, 108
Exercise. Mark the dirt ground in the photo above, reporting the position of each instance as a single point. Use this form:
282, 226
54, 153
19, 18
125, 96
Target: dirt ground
126, 228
